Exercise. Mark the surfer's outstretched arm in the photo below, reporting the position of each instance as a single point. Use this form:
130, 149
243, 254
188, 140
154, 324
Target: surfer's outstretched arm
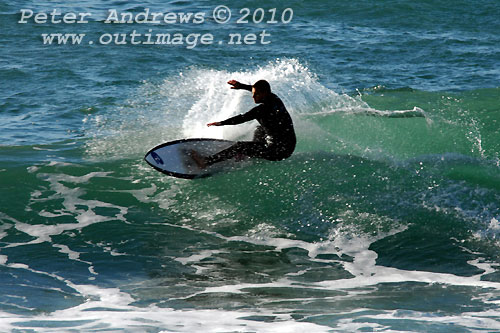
238, 85
239, 119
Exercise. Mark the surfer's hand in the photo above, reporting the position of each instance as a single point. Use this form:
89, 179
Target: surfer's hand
235, 84
216, 123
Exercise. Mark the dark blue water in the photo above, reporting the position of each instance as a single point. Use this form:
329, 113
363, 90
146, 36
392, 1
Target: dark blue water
386, 217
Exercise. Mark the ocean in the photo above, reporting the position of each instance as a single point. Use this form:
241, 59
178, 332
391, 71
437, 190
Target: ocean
386, 217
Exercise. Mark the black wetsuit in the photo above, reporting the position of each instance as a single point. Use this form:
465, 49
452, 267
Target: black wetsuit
273, 140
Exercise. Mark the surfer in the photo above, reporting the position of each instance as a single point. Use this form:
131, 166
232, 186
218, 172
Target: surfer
274, 139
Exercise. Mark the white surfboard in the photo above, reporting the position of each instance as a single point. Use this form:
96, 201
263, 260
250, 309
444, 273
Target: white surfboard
174, 158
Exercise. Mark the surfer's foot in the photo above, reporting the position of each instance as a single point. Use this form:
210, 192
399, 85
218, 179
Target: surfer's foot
200, 161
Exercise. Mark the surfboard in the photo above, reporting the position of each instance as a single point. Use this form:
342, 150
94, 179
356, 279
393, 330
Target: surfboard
174, 158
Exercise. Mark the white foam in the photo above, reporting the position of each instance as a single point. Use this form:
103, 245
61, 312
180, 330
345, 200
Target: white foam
111, 308
143, 195
4, 227
183, 104
73, 255
73, 210
114, 309
363, 266
494, 226
364, 110
32, 169
198, 257
488, 320
43, 149
153, 318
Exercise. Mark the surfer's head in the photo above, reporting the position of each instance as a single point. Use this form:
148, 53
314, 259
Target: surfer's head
260, 90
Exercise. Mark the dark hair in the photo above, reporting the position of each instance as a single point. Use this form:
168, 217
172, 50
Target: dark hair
262, 85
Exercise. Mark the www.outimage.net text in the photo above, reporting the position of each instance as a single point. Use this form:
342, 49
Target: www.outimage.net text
219, 15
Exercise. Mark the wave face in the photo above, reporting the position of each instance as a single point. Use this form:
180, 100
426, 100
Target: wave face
387, 210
